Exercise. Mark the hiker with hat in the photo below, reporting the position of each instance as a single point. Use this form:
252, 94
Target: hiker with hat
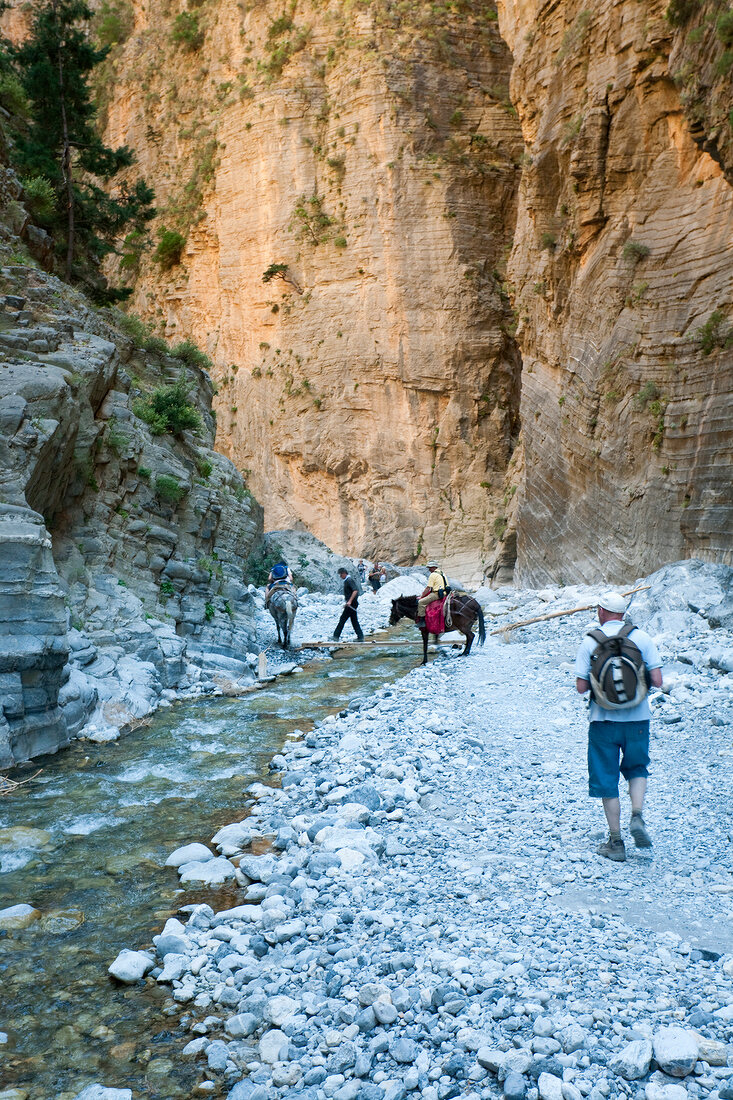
436, 588
618, 663
351, 597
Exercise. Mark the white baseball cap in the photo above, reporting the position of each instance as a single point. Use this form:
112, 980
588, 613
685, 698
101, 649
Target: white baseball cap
611, 601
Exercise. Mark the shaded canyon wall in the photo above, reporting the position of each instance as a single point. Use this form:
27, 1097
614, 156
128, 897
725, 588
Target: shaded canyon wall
623, 273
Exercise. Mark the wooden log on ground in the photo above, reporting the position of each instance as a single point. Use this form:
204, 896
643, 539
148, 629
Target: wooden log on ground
559, 614
366, 642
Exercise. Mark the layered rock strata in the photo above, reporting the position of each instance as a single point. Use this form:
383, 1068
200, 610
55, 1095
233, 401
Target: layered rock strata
121, 550
33, 644
366, 158
623, 273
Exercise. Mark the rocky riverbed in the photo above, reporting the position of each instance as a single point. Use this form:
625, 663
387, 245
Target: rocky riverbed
431, 918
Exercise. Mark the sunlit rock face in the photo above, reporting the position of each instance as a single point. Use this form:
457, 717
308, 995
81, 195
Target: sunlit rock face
373, 391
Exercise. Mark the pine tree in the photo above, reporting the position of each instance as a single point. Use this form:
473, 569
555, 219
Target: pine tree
62, 145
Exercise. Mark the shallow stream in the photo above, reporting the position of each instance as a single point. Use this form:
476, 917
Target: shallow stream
111, 814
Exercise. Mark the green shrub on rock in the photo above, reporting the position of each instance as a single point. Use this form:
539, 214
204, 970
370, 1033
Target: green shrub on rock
170, 248
169, 409
40, 197
169, 490
192, 355
187, 31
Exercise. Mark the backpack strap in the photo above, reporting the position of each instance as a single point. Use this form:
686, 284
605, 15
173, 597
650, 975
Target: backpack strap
598, 636
625, 630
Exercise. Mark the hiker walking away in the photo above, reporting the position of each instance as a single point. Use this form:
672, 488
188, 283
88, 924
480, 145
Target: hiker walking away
618, 663
361, 570
435, 589
351, 596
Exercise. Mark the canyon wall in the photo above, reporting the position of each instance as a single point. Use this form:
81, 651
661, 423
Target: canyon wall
366, 155
123, 546
346, 180
623, 282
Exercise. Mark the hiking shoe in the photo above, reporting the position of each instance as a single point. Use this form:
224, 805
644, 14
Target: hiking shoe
637, 828
613, 849
335, 637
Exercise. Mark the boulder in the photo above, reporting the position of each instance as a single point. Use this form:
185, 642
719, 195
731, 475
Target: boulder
101, 1092
675, 1050
130, 966
633, 1061
189, 853
17, 917
214, 870
272, 1045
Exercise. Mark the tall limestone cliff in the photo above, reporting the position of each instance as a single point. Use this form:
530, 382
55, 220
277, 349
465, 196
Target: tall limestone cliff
366, 157
346, 178
623, 274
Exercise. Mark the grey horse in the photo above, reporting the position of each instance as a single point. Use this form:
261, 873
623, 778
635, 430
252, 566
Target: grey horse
282, 605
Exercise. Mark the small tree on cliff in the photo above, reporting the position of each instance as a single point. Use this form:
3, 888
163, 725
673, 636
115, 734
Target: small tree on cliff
62, 145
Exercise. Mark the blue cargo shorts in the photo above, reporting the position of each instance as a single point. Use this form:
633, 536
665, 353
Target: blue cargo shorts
616, 748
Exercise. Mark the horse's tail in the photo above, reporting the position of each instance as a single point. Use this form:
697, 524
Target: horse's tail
481, 625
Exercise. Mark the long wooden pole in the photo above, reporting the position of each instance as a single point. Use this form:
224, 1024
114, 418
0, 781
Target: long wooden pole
367, 641
559, 614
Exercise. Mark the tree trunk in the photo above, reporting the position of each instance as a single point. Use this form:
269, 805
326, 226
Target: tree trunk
66, 160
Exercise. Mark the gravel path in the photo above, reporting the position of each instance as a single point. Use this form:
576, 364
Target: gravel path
433, 920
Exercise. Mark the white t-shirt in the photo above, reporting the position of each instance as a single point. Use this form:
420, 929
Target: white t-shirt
641, 712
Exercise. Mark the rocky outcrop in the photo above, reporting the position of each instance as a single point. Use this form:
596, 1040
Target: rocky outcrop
367, 160
122, 551
701, 62
33, 644
623, 274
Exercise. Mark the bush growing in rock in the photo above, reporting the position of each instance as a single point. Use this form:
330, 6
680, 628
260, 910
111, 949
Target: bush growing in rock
188, 353
169, 409
186, 30
40, 197
260, 562
170, 248
169, 490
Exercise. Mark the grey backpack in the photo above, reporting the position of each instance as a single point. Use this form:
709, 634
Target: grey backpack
618, 676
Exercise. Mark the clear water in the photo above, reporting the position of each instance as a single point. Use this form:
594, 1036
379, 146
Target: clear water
114, 813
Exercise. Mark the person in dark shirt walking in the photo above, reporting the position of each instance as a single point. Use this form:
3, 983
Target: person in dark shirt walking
351, 596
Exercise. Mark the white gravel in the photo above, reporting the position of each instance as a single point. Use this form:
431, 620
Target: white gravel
434, 921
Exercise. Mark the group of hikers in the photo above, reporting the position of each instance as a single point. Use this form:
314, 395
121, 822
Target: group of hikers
281, 578
616, 663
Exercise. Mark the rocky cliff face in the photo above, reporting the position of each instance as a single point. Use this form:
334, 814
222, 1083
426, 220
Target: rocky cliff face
121, 551
345, 178
370, 153
623, 273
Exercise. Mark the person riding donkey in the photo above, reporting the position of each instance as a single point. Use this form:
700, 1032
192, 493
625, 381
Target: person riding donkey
436, 588
279, 577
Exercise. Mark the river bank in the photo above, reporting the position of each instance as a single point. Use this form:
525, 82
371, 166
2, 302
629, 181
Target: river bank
85, 844
432, 918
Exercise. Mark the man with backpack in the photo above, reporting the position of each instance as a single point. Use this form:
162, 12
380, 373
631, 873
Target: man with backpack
618, 663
